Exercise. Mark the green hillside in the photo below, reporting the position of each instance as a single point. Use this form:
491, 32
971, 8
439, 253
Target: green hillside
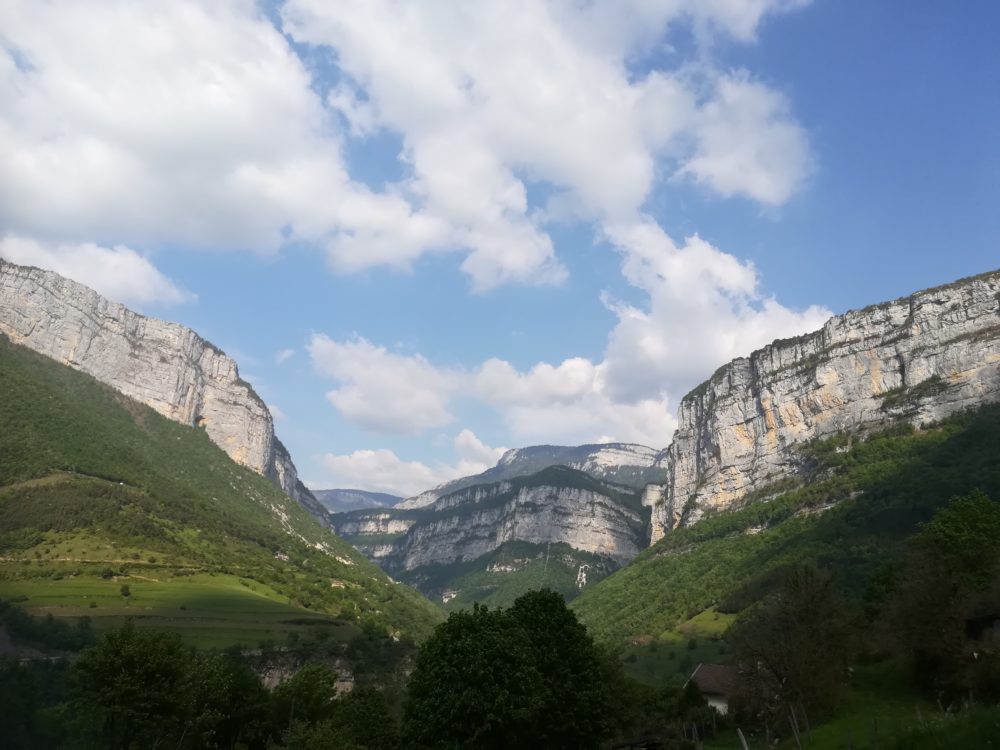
108, 509
859, 500
514, 568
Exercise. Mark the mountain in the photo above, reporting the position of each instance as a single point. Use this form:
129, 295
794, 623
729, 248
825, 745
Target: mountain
917, 359
340, 500
619, 463
490, 542
827, 449
858, 497
163, 365
109, 509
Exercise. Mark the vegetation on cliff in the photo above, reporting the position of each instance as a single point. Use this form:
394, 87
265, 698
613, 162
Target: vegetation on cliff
98, 491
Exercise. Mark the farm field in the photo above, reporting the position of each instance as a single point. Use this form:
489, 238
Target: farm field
208, 611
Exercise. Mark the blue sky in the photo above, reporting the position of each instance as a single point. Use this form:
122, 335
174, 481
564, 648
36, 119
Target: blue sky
430, 231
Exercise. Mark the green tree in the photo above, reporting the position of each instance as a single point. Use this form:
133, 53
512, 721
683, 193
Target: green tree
360, 720
127, 690
794, 649
950, 575
528, 676
227, 703
307, 696
19, 696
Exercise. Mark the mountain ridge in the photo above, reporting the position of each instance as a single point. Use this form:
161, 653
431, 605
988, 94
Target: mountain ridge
917, 358
162, 364
606, 461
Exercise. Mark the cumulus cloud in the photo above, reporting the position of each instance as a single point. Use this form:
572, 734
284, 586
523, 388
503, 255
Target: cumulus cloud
474, 91
747, 143
196, 123
383, 391
283, 355
704, 307
118, 273
383, 471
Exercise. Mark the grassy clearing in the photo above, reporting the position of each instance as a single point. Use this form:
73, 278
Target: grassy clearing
97, 490
208, 611
670, 658
879, 711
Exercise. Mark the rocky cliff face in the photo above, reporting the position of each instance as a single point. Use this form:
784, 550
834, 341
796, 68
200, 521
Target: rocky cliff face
164, 365
919, 358
628, 464
548, 508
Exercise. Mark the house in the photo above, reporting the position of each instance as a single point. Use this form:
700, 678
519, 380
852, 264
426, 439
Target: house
717, 683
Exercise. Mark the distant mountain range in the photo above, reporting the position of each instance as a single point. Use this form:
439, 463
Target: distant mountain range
627, 464
341, 500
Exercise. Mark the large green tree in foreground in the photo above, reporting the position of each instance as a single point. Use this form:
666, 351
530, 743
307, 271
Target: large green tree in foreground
527, 676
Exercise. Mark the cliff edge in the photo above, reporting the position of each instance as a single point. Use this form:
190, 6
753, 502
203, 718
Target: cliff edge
164, 365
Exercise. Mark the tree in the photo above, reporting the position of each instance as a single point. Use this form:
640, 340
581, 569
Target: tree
307, 696
949, 577
360, 720
227, 703
794, 649
528, 676
127, 690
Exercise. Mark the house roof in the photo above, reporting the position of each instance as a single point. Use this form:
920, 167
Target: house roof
714, 679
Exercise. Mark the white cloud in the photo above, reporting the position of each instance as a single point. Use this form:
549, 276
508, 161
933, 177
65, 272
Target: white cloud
378, 471
118, 273
383, 471
195, 123
383, 391
486, 97
471, 449
570, 402
747, 143
704, 308
283, 355
278, 414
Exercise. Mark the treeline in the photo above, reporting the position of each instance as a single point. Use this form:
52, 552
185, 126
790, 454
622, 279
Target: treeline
934, 613
144, 689
527, 676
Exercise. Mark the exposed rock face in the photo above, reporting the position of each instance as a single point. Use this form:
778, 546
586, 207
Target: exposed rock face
469, 523
163, 365
628, 464
919, 358
372, 532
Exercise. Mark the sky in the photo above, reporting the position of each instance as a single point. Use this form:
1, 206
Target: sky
431, 231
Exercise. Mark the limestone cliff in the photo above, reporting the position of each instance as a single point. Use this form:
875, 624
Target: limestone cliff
164, 365
558, 505
918, 358
627, 464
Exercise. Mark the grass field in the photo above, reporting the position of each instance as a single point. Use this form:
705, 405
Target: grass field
98, 491
670, 658
209, 611
879, 710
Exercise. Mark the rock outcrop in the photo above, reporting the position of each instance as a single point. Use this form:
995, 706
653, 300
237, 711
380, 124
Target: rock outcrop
553, 506
161, 364
373, 531
918, 358
627, 464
